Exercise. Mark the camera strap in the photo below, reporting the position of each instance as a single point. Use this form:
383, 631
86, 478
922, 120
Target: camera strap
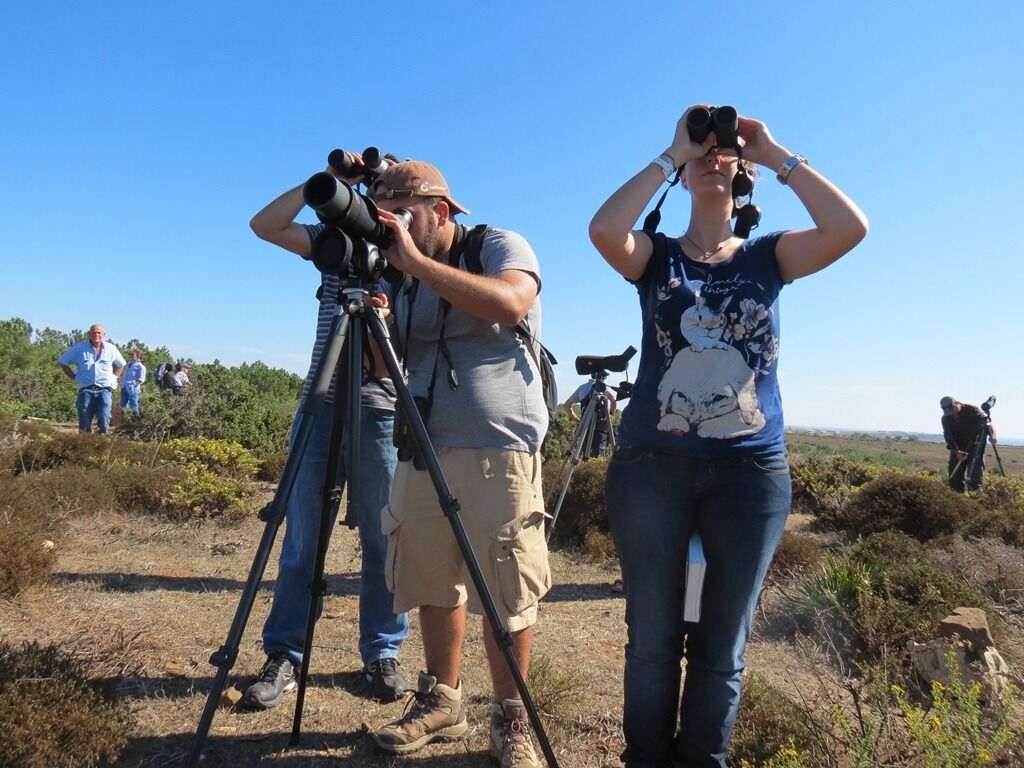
454, 258
653, 219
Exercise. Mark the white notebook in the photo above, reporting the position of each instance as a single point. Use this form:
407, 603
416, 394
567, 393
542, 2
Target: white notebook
696, 565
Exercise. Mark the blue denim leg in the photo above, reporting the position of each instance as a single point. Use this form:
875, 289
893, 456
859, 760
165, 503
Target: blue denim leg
130, 399
84, 404
93, 403
106, 401
381, 631
739, 506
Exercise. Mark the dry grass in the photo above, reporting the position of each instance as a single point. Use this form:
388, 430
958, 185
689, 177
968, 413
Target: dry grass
143, 601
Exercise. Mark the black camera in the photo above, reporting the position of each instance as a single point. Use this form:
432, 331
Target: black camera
722, 121
352, 234
403, 438
987, 405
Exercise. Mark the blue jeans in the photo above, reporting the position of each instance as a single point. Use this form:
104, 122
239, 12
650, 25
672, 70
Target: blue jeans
739, 505
93, 403
130, 398
381, 630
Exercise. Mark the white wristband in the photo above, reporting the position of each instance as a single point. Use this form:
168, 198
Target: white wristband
666, 163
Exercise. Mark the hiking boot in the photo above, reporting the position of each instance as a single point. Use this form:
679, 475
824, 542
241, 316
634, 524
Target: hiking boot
276, 678
386, 679
434, 712
511, 744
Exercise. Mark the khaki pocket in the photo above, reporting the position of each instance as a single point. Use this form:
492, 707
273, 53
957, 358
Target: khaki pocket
521, 559
390, 527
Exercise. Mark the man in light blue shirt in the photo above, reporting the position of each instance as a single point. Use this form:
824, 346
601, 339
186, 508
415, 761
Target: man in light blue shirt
98, 365
133, 379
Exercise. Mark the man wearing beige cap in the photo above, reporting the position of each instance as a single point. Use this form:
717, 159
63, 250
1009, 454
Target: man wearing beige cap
480, 390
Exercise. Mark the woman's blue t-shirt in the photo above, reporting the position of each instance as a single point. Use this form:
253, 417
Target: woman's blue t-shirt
708, 384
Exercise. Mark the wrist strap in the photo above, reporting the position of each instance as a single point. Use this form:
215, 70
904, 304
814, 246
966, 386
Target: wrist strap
787, 167
666, 163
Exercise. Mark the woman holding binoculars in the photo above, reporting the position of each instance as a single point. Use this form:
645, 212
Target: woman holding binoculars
700, 446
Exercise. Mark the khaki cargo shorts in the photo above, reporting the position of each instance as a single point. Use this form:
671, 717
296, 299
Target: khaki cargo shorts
502, 509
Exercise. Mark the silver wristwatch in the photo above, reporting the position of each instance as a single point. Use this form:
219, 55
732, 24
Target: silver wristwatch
788, 166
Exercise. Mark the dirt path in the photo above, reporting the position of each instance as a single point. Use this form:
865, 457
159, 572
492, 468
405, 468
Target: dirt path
147, 602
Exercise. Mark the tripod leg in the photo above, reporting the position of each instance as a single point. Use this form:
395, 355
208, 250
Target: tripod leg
976, 461
584, 434
273, 515
450, 508
329, 501
999, 461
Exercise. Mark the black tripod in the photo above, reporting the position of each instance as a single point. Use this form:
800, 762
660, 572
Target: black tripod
976, 458
597, 413
351, 318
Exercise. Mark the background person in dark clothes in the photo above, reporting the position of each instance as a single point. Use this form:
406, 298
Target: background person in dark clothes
962, 424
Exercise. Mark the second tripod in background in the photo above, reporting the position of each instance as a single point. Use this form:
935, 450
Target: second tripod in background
594, 432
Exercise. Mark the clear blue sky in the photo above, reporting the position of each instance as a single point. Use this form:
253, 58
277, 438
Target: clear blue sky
139, 138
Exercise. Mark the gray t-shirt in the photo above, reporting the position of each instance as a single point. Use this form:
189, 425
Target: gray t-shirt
499, 401
376, 393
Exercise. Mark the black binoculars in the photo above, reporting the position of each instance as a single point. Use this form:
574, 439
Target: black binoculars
372, 166
722, 121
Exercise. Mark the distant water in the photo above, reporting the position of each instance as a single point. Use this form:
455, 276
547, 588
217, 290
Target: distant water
928, 437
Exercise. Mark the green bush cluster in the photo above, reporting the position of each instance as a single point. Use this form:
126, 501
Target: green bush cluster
821, 485
25, 527
916, 505
252, 404
583, 510
52, 715
769, 723
796, 553
50, 477
884, 592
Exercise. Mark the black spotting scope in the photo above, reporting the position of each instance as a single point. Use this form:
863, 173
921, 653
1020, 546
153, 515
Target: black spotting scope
589, 364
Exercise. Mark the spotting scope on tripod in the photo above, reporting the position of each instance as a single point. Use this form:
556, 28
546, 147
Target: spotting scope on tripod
594, 431
347, 251
975, 461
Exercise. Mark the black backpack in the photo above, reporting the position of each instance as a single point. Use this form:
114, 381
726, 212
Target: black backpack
472, 246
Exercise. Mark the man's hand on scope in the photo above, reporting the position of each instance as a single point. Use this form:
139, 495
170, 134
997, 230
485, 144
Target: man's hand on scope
402, 253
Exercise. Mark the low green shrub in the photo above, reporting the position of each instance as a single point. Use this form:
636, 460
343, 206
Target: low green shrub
37, 448
770, 724
225, 458
271, 465
990, 566
915, 505
200, 494
955, 731
26, 523
884, 593
822, 485
70, 489
796, 553
52, 715
584, 507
